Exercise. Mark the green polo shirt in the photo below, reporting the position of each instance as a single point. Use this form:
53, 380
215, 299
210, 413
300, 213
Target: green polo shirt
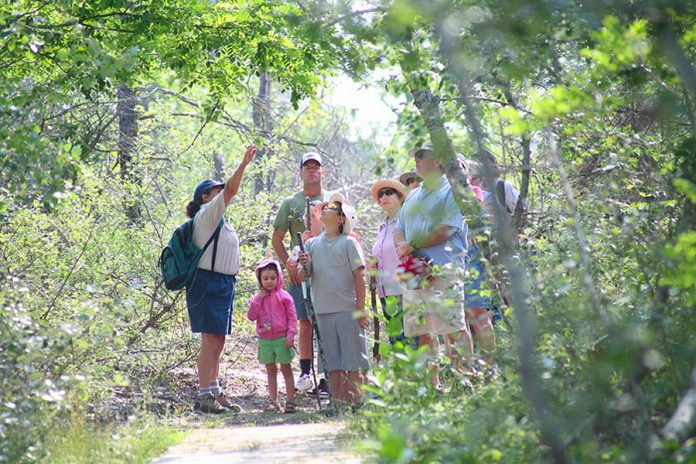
291, 215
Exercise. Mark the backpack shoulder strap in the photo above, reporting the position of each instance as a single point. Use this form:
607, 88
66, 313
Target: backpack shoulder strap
216, 233
215, 236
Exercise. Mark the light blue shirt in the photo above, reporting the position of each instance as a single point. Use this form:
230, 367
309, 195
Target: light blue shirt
423, 211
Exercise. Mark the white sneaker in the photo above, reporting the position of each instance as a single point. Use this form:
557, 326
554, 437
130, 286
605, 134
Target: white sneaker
304, 383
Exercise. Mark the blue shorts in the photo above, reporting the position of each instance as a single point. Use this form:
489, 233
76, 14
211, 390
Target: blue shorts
296, 292
476, 281
209, 299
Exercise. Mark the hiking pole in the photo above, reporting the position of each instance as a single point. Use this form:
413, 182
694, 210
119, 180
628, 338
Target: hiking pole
307, 296
375, 319
310, 310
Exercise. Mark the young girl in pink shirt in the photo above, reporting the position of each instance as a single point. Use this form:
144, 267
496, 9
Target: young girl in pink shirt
276, 324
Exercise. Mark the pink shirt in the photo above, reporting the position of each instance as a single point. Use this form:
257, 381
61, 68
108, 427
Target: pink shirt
384, 251
274, 313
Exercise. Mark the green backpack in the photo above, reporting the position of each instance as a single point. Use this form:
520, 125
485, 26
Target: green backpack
179, 259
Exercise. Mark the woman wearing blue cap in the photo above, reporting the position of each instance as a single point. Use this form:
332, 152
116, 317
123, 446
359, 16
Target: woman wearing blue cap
211, 293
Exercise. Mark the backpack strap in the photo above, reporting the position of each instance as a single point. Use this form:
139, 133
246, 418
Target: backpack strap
215, 236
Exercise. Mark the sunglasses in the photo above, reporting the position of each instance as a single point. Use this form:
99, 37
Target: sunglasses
386, 191
420, 154
334, 207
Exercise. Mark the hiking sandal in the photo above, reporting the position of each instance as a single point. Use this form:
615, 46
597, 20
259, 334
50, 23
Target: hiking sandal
290, 407
272, 406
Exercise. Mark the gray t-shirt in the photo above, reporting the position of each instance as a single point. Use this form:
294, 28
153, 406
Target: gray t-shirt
333, 263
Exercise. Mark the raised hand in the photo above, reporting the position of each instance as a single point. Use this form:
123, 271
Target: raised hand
250, 153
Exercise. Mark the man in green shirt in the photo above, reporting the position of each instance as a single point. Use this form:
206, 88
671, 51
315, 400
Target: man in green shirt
291, 218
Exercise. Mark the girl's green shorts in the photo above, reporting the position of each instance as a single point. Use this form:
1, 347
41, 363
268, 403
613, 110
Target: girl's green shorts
273, 350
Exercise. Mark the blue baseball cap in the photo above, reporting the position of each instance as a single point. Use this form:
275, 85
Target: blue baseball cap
204, 187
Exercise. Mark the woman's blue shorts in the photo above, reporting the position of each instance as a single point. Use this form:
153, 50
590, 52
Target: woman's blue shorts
209, 299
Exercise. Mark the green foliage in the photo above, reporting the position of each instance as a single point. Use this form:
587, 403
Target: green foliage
59, 57
610, 126
412, 422
588, 91
139, 441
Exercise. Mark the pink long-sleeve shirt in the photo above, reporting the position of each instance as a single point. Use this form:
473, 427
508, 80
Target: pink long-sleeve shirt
274, 314
384, 251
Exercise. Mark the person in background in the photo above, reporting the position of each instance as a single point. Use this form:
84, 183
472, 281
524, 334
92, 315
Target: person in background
210, 295
478, 301
389, 195
430, 228
410, 179
498, 195
290, 218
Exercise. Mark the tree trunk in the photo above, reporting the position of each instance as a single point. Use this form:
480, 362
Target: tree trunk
428, 106
683, 421
218, 167
261, 114
127, 136
526, 331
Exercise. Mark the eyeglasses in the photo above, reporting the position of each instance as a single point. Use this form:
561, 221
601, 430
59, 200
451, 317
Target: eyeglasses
412, 180
386, 191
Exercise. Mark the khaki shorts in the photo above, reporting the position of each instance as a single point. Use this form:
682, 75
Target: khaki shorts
437, 309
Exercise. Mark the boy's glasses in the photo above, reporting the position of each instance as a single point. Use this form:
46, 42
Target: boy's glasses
386, 191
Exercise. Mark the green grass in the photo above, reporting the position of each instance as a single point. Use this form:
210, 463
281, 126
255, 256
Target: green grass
136, 442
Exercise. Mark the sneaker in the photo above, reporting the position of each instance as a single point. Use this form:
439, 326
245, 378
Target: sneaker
208, 405
304, 383
322, 390
226, 403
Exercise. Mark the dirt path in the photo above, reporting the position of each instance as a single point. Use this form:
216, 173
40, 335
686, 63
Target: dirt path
254, 435
290, 443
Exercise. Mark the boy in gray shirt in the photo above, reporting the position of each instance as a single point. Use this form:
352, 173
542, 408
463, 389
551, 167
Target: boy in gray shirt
337, 268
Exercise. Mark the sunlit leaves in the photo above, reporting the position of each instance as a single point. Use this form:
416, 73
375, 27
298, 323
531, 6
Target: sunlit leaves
618, 47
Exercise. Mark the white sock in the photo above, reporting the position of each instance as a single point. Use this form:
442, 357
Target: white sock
204, 392
215, 388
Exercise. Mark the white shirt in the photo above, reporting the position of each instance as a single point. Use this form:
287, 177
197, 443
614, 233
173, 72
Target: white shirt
204, 224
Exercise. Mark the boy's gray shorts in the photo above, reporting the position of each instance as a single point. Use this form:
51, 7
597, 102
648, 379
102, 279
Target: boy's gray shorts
343, 341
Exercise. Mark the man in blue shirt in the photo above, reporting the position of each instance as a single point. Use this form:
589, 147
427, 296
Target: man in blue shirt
430, 225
